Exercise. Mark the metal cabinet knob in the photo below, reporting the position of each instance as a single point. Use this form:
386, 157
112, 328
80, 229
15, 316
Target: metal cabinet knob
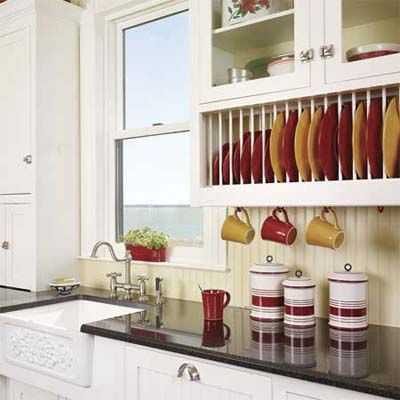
28, 159
327, 51
6, 245
194, 375
307, 55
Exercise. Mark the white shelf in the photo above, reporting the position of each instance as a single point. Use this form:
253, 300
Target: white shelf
368, 192
255, 33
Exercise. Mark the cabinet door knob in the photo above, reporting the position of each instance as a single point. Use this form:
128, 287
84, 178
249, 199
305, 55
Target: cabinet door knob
307, 55
194, 375
327, 51
28, 159
5, 245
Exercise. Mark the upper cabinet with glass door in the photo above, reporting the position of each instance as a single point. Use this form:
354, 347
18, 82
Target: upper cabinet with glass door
362, 38
249, 47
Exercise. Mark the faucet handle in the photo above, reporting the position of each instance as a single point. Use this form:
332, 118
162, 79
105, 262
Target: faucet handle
113, 275
142, 278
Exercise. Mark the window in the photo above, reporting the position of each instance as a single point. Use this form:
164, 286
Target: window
150, 152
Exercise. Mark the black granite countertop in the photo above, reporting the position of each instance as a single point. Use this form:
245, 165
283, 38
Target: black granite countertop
367, 362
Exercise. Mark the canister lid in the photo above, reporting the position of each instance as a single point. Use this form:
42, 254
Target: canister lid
347, 275
270, 267
299, 281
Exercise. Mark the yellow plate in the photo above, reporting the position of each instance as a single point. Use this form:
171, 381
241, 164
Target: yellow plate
276, 152
360, 141
391, 140
313, 145
301, 145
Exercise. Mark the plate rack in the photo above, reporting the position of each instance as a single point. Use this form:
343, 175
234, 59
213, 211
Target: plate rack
229, 126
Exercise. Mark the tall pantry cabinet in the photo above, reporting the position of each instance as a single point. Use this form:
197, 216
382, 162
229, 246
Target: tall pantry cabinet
39, 136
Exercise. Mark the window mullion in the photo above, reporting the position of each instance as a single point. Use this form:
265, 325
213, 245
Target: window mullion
151, 130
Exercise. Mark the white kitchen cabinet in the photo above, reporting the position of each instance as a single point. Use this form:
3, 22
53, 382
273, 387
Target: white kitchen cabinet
40, 139
21, 391
15, 111
152, 374
17, 249
225, 113
222, 47
351, 23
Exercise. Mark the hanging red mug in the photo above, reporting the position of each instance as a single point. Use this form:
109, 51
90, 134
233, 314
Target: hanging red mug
276, 230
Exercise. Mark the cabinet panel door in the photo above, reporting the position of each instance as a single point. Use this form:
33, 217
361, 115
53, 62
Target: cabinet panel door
15, 112
151, 375
353, 23
20, 256
3, 244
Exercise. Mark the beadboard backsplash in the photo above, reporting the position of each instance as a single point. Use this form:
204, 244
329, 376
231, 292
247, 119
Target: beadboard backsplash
372, 245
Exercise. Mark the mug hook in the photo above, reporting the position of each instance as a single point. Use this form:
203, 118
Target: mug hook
269, 259
348, 267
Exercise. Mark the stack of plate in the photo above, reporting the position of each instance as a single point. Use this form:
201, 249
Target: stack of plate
313, 144
372, 51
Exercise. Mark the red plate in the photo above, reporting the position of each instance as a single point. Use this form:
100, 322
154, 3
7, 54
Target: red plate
226, 165
374, 138
345, 141
256, 159
225, 149
236, 158
328, 143
245, 161
289, 159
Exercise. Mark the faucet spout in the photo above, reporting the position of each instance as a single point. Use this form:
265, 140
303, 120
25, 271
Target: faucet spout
111, 251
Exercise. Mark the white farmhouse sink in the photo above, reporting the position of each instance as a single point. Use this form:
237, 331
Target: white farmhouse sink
48, 339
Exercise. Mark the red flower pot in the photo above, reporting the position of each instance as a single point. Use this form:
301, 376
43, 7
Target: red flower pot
141, 253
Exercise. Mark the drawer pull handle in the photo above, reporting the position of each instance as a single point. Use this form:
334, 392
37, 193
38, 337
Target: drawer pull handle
194, 375
6, 245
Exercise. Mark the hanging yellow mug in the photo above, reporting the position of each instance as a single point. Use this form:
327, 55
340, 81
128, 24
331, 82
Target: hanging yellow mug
236, 230
320, 232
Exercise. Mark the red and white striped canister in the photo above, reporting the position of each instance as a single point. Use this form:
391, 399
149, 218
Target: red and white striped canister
348, 299
299, 301
267, 302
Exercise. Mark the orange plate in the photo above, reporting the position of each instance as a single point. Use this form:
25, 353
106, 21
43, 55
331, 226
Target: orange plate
313, 145
276, 151
301, 145
360, 141
391, 140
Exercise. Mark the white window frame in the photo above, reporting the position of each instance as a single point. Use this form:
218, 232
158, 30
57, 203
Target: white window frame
213, 253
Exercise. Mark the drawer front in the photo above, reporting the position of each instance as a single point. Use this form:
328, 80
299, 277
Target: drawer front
215, 382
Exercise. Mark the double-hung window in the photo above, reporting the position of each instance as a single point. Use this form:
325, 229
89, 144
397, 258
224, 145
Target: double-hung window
150, 147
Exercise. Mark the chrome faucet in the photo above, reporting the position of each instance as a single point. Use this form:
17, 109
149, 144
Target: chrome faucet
127, 285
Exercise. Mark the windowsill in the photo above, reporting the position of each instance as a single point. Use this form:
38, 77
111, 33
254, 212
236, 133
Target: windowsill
167, 264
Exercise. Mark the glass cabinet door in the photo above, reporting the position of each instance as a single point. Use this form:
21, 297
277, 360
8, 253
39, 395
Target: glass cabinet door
248, 47
362, 38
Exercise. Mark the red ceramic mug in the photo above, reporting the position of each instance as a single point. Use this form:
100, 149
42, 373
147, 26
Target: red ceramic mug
276, 230
214, 333
214, 304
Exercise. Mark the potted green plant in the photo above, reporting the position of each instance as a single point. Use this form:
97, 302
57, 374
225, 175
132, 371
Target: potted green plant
146, 244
